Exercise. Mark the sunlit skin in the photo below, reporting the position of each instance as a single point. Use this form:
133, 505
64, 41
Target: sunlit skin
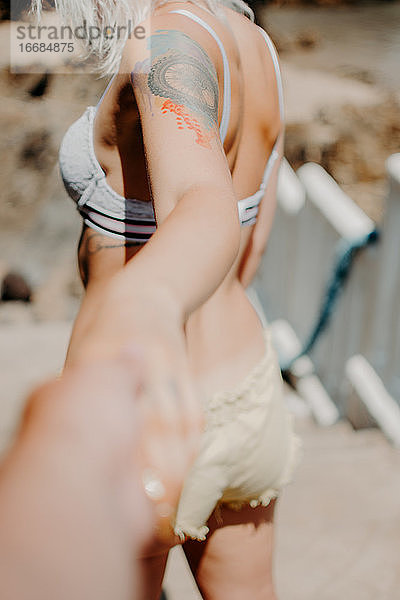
184, 291
76, 468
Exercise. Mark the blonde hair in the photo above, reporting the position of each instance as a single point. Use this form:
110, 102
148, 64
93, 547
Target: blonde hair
102, 14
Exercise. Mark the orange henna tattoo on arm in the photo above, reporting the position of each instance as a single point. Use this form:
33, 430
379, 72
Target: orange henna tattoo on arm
184, 119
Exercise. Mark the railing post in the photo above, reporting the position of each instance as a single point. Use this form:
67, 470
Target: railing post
333, 220
384, 346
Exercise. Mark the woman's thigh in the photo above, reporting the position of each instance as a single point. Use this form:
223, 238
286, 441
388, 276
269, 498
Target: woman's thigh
236, 560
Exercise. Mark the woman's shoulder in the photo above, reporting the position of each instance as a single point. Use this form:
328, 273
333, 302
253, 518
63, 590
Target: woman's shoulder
176, 30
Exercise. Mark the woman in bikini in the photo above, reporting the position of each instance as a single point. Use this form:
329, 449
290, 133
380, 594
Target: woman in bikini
174, 173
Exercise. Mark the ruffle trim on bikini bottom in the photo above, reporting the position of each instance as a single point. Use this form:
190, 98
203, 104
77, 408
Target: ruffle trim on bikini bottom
200, 533
195, 533
295, 456
262, 500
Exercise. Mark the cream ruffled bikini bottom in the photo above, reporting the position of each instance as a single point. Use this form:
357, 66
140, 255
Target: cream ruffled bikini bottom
248, 452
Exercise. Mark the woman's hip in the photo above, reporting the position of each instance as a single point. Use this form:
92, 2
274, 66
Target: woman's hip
249, 449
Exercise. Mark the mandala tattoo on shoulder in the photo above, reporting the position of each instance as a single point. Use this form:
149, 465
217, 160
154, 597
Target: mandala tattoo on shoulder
182, 73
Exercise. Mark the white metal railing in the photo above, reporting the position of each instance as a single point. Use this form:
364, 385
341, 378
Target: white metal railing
314, 219
383, 349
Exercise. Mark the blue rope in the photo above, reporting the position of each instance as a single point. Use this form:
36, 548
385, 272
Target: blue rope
345, 255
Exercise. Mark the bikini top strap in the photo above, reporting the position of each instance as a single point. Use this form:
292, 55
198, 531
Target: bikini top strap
226, 108
106, 90
275, 60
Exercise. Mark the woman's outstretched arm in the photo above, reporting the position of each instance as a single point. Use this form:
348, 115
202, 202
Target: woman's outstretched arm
73, 513
74, 516
148, 301
176, 88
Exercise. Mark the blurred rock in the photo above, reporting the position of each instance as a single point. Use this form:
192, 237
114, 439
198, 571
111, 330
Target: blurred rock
34, 153
5, 10
40, 87
308, 39
15, 287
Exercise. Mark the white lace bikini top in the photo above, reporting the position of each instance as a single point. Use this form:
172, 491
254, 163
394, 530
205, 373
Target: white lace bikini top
128, 218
